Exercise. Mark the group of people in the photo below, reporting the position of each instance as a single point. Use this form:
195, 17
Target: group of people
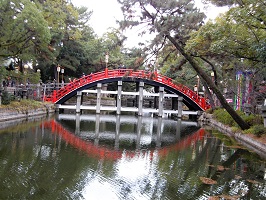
8, 82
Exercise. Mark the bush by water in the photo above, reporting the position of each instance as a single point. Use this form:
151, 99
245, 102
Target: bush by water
254, 121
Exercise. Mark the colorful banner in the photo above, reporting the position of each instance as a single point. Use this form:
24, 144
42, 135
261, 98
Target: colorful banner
238, 96
244, 89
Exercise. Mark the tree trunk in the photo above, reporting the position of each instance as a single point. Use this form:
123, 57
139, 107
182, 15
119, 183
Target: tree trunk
243, 125
209, 95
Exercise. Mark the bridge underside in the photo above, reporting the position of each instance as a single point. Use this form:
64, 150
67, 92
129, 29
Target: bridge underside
190, 103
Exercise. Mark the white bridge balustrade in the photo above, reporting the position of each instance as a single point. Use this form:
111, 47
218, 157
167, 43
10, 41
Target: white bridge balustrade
140, 95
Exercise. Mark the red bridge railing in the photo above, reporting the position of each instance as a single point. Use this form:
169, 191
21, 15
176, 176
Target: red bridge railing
129, 73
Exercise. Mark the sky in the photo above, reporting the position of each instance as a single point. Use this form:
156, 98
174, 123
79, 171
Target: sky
106, 12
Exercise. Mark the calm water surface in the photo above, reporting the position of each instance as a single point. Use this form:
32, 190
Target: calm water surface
124, 157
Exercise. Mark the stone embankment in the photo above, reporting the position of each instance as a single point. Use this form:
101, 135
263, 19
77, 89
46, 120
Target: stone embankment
250, 141
13, 116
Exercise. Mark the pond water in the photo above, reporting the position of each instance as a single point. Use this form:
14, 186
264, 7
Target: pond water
124, 157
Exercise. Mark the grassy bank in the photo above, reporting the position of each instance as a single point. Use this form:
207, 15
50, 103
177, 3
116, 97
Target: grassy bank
257, 131
24, 105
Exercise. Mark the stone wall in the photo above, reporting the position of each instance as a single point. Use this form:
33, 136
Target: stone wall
245, 140
15, 114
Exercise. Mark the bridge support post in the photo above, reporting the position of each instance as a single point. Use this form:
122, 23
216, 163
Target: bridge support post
97, 129
161, 101
117, 132
178, 129
79, 93
136, 101
77, 131
180, 108
140, 102
98, 103
139, 125
159, 133
155, 100
118, 98
57, 108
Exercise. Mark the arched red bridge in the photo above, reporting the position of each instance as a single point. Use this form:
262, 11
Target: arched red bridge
103, 152
191, 99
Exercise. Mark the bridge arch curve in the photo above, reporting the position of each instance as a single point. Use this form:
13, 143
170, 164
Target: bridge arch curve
190, 98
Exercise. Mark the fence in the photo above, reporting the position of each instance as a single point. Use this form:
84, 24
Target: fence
31, 91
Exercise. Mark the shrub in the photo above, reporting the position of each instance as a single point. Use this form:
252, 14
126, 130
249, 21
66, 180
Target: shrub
253, 119
235, 129
259, 130
6, 98
223, 116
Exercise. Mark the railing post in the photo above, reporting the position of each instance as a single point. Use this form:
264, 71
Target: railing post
106, 72
54, 96
155, 75
203, 103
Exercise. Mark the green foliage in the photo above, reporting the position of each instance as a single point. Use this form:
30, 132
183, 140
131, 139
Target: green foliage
3, 73
23, 78
6, 98
255, 121
238, 33
228, 141
221, 2
179, 18
23, 29
257, 130
234, 41
235, 129
172, 24
23, 105
54, 32
222, 116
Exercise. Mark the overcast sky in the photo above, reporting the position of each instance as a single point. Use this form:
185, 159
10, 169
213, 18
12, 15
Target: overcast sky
106, 12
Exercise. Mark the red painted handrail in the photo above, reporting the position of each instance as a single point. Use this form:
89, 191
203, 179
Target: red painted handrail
116, 73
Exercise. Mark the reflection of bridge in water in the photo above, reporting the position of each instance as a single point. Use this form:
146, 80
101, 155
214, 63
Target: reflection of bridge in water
88, 142
142, 132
